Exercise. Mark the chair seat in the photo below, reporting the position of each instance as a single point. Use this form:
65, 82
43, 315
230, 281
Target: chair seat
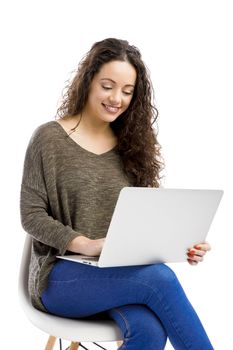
59, 327
72, 329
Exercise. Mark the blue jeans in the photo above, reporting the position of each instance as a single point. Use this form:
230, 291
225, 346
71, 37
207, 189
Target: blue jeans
147, 302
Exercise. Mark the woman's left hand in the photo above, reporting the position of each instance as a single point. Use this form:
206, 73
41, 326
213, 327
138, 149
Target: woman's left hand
197, 253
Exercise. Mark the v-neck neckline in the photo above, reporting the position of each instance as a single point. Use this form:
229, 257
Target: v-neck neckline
60, 127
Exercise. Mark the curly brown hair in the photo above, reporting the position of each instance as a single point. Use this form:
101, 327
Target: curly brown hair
137, 139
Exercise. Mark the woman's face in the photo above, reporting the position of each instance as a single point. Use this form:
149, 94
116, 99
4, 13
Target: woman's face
111, 91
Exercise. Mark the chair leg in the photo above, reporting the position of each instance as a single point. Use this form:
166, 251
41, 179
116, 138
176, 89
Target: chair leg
119, 343
51, 342
74, 346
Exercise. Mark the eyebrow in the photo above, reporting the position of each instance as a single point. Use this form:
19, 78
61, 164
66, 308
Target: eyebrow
115, 82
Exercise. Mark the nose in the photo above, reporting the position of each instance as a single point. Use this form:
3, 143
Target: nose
115, 98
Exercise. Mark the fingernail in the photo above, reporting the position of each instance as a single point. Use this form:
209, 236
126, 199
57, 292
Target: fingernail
190, 254
197, 247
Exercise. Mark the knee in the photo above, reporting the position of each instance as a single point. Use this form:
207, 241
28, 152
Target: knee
165, 273
160, 274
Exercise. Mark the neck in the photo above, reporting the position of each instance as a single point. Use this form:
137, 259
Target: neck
92, 127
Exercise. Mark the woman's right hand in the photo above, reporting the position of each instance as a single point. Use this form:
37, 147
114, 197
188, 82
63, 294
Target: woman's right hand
86, 246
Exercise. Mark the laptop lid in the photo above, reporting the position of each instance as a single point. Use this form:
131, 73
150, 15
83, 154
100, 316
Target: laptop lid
151, 225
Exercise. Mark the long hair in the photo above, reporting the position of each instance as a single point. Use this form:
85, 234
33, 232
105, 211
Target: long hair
137, 139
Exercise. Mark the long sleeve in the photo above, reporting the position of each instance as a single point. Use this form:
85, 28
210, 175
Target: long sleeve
66, 192
35, 211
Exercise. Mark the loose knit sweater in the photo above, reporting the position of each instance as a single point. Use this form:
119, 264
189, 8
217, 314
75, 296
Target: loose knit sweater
66, 191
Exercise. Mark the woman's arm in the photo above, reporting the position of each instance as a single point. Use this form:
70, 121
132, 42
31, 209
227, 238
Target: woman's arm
86, 246
34, 203
36, 221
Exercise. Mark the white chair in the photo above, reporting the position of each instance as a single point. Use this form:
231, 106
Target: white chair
73, 330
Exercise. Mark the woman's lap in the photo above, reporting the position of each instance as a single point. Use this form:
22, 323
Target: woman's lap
78, 290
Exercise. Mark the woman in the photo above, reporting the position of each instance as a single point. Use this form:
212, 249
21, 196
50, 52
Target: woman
75, 167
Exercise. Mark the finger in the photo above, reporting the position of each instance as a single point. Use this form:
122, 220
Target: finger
196, 255
197, 252
191, 262
196, 258
205, 246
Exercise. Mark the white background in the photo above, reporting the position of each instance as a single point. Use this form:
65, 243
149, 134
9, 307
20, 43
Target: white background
187, 46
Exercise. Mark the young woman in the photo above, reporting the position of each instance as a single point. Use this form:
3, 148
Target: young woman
75, 167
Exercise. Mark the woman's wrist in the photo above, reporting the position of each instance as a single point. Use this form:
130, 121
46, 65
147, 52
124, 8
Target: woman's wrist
77, 245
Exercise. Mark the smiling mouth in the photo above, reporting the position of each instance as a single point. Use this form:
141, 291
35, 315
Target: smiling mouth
111, 109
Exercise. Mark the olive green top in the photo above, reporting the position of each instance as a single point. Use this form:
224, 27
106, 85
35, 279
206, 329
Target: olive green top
66, 191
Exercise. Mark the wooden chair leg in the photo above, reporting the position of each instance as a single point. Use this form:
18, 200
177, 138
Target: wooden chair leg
74, 346
119, 343
51, 342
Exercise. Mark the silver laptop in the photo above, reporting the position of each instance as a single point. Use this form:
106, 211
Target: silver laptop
154, 225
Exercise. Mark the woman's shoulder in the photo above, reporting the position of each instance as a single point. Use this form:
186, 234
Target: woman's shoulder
44, 132
44, 129
43, 135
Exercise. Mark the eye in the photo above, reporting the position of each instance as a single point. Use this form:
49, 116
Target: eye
127, 93
106, 87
